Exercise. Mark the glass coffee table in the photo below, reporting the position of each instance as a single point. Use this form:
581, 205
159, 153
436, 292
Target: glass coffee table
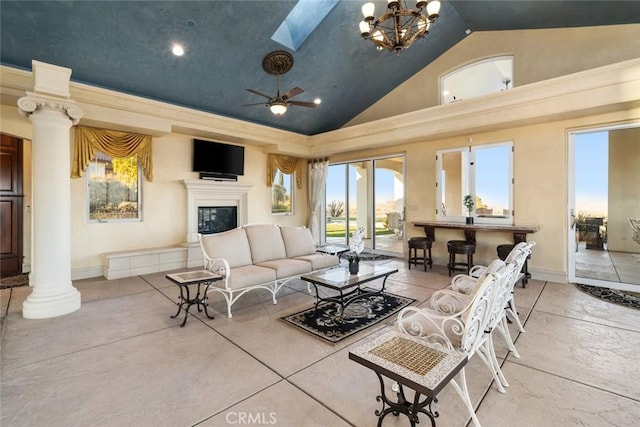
348, 286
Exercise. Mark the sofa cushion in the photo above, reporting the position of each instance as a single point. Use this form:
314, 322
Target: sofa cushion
298, 241
231, 245
265, 241
250, 275
287, 267
319, 261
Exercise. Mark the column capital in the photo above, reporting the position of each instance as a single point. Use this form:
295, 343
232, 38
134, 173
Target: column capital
33, 102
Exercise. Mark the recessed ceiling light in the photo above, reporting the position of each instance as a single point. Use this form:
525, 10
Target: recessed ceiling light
177, 50
317, 101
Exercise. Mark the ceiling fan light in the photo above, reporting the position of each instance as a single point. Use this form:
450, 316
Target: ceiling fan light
433, 10
278, 108
367, 11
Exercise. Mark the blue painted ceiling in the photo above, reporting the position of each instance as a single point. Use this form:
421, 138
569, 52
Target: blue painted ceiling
125, 46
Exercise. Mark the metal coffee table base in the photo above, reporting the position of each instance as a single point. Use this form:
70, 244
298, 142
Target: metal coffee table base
346, 299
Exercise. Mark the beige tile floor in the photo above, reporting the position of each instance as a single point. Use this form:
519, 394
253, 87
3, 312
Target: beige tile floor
122, 361
608, 265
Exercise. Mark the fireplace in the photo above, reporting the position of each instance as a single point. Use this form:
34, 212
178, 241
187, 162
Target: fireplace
210, 195
216, 219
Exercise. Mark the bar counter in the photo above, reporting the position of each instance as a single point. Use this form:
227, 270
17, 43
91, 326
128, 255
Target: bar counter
519, 231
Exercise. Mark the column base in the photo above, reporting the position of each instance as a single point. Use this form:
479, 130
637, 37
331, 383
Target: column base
43, 305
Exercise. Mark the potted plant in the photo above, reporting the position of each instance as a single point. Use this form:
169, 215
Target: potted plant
468, 203
356, 245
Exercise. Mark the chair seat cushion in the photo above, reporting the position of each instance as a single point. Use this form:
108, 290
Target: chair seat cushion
250, 275
287, 267
319, 261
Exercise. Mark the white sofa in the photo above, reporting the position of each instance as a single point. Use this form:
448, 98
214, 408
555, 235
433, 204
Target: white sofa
260, 256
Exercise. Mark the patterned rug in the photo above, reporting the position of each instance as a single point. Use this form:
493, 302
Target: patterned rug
14, 281
626, 298
370, 256
328, 325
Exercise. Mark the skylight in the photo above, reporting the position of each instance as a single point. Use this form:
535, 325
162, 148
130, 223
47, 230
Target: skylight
301, 21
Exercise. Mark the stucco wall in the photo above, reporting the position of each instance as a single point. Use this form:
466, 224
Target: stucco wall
624, 188
538, 55
164, 201
540, 188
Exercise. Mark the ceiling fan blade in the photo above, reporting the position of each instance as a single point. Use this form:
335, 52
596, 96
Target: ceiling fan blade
258, 93
257, 103
303, 104
292, 92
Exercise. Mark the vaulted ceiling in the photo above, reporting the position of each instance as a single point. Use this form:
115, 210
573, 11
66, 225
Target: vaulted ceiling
126, 46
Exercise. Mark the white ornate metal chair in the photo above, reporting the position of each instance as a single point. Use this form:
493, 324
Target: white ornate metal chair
451, 301
463, 330
518, 256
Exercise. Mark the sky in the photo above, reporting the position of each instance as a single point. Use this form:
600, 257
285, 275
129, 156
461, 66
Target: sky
592, 172
335, 184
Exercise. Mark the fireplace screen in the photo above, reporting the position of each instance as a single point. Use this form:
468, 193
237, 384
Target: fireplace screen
217, 219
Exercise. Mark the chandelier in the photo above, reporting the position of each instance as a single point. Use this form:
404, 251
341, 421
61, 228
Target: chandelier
399, 26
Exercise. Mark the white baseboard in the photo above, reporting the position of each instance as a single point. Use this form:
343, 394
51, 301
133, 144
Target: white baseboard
548, 275
86, 272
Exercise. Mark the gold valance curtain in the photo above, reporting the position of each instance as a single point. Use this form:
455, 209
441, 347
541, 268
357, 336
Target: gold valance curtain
286, 164
115, 144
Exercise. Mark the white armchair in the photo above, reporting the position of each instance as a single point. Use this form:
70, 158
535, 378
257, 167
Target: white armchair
463, 330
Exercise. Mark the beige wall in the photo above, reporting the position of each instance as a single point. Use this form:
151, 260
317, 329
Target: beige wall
624, 188
538, 55
164, 201
540, 188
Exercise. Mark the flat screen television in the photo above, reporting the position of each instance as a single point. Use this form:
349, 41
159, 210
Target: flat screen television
217, 158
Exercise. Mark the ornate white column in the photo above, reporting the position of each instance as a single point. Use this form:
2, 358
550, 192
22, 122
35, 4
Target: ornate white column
52, 114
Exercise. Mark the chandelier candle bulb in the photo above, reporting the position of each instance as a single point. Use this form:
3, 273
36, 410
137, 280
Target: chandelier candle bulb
433, 10
367, 11
364, 28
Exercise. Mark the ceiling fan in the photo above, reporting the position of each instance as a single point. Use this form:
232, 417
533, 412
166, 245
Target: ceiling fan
277, 63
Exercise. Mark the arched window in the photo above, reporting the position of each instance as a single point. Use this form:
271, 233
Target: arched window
479, 78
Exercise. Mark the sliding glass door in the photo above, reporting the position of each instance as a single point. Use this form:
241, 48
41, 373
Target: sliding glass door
369, 194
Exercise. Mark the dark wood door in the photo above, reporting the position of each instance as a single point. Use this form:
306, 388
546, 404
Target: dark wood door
11, 198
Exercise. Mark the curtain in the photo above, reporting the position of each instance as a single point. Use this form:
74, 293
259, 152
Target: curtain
115, 144
286, 164
317, 183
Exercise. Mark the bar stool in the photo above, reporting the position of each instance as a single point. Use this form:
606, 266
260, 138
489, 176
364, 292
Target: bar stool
461, 247
423, 243
503, 253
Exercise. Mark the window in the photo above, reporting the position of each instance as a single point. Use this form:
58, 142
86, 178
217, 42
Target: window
282, 194
486, 173
113, 189
476, 79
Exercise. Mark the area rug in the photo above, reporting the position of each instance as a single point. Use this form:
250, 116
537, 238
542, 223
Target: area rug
14, 281
370, 256
626, 298
328, 325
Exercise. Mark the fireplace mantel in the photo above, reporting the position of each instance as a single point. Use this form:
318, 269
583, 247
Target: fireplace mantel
204, 193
